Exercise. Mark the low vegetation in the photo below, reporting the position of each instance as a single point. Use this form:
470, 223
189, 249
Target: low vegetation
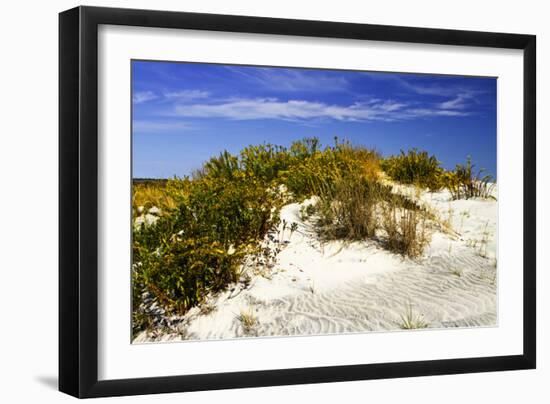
248, 320
197, 247
412, 321
414, 167
148, 194
422, 170
407, 230
465, 183
208, 224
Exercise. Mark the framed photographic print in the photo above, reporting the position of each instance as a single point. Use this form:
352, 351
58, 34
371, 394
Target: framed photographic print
250, 201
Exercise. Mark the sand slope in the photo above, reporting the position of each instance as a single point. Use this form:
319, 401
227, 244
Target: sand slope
319, 288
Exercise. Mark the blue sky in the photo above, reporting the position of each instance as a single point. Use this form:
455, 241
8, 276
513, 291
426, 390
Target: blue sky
184, 113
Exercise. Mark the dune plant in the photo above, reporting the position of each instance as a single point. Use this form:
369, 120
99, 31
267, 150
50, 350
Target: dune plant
305, 148
248, 320
457, 272
414, 167
406, 230
410, 320
151, 193
319, 171
357, 208
465, 183
265, 162
225, 166
347, 210
484, 242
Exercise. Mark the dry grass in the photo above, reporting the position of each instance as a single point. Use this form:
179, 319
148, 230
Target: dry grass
348, 211
356, 208
151, 193
248, 320
484, 242
406, 230
465, 183
411, 321
457, 272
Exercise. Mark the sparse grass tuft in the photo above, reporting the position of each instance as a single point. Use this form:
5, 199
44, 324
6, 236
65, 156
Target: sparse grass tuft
457, 272
248, 320
465, 214
347, 210
484, 242
465, 183
406, 230
411, 321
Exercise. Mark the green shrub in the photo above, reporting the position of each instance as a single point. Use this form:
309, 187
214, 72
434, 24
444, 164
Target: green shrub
265, 162
199, 247
414, 167
317, 171
302, 149
225, 166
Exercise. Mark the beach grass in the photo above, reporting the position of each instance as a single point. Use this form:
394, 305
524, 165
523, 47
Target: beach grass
465, 183
248, 320
410, 320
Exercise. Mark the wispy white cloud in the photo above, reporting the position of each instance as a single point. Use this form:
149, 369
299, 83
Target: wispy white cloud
143, 96
172, 96
457, 97
187, 95
442, 91
292, 80
428, 112
299, 110
445, 91
461, 101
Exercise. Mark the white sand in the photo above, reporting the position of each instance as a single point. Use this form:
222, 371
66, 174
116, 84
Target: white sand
358, 287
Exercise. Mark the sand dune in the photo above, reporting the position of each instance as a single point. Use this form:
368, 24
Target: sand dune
335, 287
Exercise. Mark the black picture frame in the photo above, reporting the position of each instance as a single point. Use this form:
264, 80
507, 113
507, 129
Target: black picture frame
78, 201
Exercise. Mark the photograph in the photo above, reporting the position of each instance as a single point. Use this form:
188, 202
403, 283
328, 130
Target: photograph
276, 201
